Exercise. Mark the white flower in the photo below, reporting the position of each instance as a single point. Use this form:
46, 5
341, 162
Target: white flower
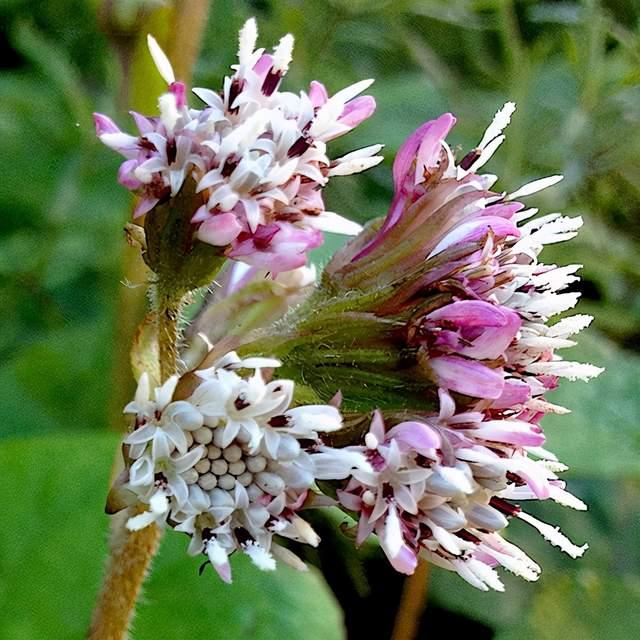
159, 421
232, 465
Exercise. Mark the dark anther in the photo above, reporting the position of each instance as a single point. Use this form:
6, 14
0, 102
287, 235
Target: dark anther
229, 166
242, 536
279, 421
143, 143
298, 147
234, 91
469, 537
240, 403
271, 82
172, 151
504, 507
515, 478
469, 159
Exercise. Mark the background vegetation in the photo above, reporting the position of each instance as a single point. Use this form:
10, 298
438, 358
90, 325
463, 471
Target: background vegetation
573, 68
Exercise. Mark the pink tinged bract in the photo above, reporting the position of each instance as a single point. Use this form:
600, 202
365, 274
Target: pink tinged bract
516, 432
220, 230
477, 229
423, 145
515, 392
277, 247
468, 377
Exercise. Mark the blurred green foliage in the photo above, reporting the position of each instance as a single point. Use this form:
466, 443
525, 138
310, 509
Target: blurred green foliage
52, 558
574, 70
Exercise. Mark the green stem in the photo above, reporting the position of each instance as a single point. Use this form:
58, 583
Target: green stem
168, 317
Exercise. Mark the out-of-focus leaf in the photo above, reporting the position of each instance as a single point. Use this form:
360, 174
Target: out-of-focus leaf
51, 560
601, 434
57, 380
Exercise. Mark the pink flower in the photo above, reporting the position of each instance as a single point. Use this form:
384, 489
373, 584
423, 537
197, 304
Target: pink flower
442, 488
276, 247
257, 155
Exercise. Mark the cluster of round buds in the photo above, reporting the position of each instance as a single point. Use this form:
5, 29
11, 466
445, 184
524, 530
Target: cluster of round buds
443, 488
232, 465
257, 155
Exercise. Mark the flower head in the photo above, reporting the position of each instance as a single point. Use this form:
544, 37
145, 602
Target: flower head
441, 312
457, 264
258, 155
445, 486
232, 465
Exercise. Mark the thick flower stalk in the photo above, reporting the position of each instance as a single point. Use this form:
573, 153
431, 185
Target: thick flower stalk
257, 156
231, 465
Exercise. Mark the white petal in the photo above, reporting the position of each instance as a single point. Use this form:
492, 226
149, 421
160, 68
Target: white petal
247, 40
554, 536
498, 124
160, 59
333, 223
534, 187
283, 54
260, 557
141, 521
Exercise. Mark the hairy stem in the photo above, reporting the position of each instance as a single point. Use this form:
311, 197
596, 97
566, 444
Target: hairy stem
132, 551
412, 603
168, 317
131, 555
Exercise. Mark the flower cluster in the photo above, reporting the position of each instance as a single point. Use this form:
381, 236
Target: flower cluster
438, 315
442, 488
231, 465
476, 309
456, 265
257, 155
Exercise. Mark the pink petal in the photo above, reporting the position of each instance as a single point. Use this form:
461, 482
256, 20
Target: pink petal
317, 93
468, 377
144, 206
179, 91
263, 65
503, 210
377, 426
426, 141
405, 561
357, 110
416, 435
125, 174
219, 230
104, 124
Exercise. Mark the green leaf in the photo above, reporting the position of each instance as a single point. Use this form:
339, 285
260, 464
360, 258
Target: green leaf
52, 551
